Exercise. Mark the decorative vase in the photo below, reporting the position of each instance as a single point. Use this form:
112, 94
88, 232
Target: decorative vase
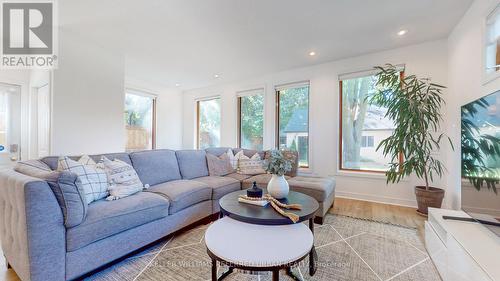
278, 187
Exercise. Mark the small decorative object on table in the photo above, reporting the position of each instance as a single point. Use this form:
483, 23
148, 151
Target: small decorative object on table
278, 166
255, 191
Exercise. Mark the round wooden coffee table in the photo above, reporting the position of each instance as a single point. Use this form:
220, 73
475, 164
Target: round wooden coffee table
267, 216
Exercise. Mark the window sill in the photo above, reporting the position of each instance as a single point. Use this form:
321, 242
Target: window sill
362, 174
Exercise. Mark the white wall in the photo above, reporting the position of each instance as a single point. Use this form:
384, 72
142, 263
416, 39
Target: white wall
88, 98
427, 60
466, 82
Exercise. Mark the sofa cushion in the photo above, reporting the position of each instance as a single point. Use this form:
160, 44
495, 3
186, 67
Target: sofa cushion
182, 193
239, 177
192, 163
217, 151
156, 166
220, 185
262, 180
70, 195
106, 218
123, 156
316, 187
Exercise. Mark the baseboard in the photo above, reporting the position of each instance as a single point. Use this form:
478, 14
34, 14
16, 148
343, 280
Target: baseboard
376, 199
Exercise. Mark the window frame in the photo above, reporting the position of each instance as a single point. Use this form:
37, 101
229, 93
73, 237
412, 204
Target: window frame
488, 76
198, 101
153, 97
246, 93
340, 142
277, 90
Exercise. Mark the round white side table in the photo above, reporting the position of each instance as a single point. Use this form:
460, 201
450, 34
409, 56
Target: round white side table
255, 247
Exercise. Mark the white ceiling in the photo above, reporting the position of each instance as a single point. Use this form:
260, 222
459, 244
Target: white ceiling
188, 41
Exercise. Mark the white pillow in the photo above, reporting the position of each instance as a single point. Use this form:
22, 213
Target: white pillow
250, 166
122, 177
94, 180
233, 158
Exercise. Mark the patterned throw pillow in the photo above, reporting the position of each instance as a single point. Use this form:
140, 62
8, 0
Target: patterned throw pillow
34, 168
123, 179
250, 166
233, 158
219, 166
94, 180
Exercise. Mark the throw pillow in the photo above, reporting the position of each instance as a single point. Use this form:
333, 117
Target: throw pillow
70, 195
250, 166
86, 160
123, 179
34, 168
233, 158
219, 166
93, 179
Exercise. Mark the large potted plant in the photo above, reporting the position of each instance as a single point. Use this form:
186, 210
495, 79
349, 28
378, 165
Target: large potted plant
414, 104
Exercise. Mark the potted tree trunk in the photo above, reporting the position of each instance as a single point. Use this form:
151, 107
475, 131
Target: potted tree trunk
414, 104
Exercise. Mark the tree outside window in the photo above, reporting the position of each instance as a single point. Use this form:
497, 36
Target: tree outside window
209, 118
293, 120
251, 120
363, 126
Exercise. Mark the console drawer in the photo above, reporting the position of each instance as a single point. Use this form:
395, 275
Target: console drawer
437, 250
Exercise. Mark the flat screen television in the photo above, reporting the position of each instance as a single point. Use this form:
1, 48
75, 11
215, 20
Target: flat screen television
480, 146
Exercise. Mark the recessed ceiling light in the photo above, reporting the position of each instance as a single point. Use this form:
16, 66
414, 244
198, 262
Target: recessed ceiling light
402, 32
312, 53
177, 84
216, 75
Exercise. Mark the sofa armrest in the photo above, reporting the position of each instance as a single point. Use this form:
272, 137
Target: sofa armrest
32, 228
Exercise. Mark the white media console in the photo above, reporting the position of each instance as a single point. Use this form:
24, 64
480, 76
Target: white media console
462, 250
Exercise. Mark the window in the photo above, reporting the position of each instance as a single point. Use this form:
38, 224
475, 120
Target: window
140, 120
367, 141
251, 119
493, 42
362, 126
208, 116
292, 116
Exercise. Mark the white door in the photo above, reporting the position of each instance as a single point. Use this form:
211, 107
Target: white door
10, 124
43, 110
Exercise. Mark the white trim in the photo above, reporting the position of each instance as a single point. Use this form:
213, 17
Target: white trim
305, 83
364, 73
140, 92
377, 199
251, 92
207, 98
487, 77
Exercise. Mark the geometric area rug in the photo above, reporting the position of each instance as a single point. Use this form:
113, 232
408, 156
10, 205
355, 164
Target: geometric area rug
348, 249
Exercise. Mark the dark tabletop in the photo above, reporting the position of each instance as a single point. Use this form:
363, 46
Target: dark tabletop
248, 213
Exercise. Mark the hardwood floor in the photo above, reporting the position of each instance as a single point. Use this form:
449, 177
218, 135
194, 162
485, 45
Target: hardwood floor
380, 212
361, 209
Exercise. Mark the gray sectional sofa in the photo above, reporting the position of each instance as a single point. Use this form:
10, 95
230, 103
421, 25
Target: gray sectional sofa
39, 247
